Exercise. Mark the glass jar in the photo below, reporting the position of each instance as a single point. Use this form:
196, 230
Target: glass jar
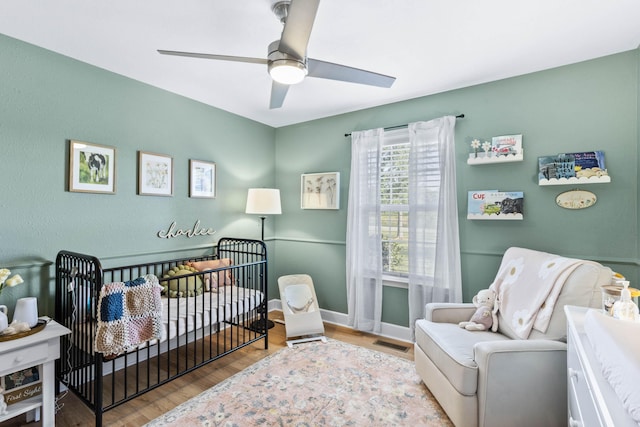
611, 294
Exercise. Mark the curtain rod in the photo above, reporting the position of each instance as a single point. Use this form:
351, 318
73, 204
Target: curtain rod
459, 116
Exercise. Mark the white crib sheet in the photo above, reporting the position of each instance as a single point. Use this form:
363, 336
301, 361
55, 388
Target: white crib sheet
188, 314
184, 315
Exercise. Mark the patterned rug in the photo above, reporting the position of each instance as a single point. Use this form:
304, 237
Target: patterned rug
315, 384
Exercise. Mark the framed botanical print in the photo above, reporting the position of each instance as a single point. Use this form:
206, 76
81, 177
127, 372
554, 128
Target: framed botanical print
320, 190
202, 179
92, 168
155, 174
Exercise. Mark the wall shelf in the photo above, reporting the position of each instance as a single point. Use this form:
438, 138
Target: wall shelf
30, 404
492, 160
494, 217
575, 181
586, 167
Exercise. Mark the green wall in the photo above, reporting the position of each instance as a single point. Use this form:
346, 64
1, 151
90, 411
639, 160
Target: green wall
582, 107
46, 99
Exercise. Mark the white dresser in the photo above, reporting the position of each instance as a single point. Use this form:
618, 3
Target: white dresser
41, 348
592, 401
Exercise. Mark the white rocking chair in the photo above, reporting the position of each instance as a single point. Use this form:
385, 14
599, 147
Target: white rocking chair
300, 309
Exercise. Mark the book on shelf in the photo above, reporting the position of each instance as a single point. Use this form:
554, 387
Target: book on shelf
494, 204
21, 385
572, 165
500, 147
506, 145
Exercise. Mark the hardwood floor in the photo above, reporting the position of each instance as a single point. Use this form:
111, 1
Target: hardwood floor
155, 403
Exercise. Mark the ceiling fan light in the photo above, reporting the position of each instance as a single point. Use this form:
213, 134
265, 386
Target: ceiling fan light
287, 71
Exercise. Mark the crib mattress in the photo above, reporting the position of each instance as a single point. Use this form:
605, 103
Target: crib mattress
183, 315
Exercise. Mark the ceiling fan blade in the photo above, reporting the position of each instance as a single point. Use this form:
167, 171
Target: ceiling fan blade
212, 56
328, 70
278, 93
297, 28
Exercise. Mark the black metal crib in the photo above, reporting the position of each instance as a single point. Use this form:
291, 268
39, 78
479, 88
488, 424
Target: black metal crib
197, 329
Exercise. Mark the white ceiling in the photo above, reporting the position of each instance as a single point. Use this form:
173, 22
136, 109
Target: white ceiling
430, 46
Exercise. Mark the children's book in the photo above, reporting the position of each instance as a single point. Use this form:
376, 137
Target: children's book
572, 165
494, 204
21, 385
506, 145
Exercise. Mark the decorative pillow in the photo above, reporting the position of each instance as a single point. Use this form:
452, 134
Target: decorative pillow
213, 280
181, 287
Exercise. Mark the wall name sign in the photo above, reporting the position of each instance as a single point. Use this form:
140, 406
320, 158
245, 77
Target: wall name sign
196, 230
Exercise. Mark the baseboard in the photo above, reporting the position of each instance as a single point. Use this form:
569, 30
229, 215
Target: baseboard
401, 333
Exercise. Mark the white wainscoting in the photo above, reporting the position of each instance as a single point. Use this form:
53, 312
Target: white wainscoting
389, 330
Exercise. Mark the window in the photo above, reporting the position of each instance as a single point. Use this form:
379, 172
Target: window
394, 208
402, 220
394, 204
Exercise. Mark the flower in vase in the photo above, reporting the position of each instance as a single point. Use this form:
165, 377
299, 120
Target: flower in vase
486, 146
8, 282
475, 144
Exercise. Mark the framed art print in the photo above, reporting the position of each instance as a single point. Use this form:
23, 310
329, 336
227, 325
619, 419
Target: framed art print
320, 190
92, 168
155, 174
202, 179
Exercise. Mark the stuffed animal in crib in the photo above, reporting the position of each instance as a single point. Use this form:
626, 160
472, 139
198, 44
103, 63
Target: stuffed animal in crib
485, 317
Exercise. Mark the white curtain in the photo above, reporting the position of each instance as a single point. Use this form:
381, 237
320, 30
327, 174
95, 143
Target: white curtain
433, 208
364, 255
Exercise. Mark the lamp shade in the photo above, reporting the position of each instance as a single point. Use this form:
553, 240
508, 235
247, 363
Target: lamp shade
287, 71
263, 201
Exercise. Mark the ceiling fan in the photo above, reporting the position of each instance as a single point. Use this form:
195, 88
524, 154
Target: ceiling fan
287, 60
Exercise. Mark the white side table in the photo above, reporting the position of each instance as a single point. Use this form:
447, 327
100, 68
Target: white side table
41, 348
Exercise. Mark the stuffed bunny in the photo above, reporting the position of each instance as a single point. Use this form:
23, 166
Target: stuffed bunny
485, 316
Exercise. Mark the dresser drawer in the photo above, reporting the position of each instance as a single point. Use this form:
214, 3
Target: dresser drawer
582, 405
24, 357
575, 417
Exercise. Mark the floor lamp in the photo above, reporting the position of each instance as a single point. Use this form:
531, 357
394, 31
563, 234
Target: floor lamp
263, 201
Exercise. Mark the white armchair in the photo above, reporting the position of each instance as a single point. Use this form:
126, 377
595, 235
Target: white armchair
493, 379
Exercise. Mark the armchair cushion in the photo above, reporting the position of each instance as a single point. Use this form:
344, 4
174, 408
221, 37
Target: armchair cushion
445, 312
452, 349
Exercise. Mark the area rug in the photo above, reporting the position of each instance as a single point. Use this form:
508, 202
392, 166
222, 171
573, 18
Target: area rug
315, 384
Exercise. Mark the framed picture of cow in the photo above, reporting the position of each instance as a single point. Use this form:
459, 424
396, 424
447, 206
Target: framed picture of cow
155, 174
92, 168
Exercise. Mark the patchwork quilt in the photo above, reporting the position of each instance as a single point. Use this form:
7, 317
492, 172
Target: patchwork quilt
129, 314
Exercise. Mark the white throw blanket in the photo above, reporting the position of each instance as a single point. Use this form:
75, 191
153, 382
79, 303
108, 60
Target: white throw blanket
527, 285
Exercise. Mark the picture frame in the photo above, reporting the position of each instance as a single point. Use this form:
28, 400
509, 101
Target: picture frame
320, 190
92, 168
202, 179
155, 174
